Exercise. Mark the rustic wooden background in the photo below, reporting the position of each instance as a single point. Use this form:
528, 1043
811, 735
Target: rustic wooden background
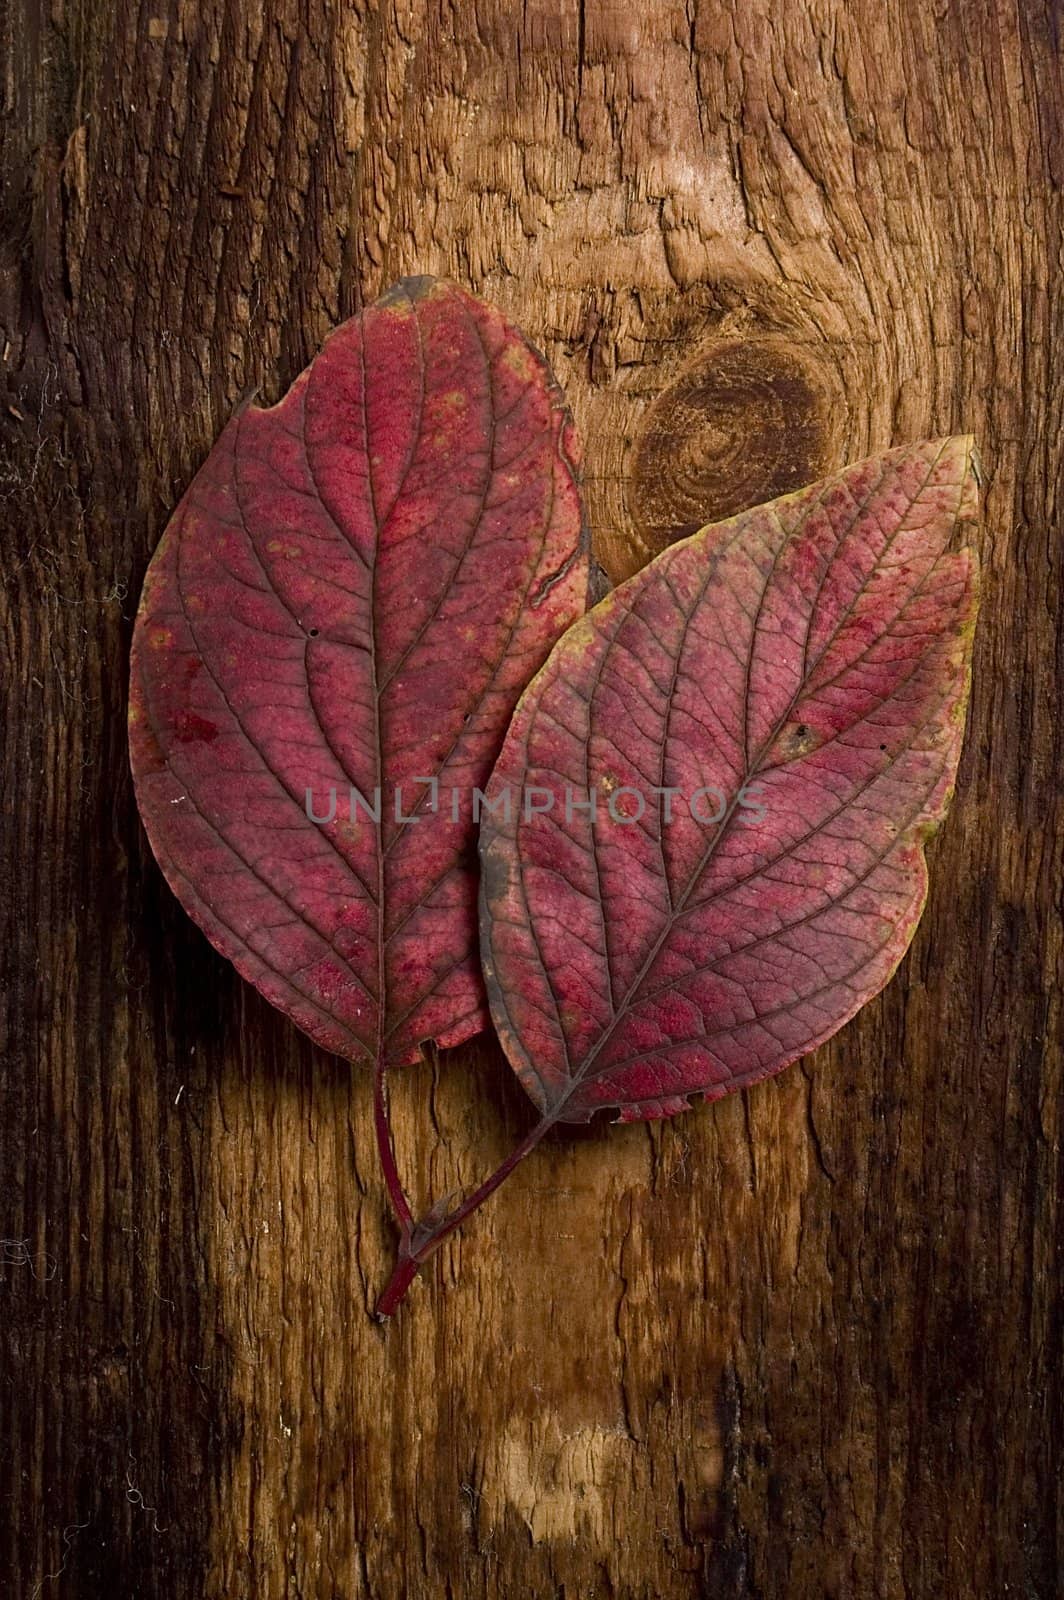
804, 1344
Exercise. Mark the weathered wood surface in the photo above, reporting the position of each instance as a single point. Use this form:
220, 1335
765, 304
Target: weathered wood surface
802, 1344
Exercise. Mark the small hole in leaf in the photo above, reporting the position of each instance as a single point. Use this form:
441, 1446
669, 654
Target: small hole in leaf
882, 747
312, 633
802, 730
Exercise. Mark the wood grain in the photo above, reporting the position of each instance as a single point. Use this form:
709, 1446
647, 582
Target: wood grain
805, 1343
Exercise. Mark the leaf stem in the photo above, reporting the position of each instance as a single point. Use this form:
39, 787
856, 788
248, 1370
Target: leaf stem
386, 1150
406, 1270
426, 1236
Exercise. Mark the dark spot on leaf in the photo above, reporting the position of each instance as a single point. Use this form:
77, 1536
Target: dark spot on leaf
494, 875
188, 726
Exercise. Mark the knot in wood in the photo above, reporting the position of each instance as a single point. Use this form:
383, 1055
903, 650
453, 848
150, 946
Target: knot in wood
745, 421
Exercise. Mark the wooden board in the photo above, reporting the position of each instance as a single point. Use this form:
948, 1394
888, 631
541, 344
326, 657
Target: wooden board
805, 1343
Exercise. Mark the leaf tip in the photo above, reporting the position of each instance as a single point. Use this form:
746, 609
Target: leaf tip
410, 290
959, 462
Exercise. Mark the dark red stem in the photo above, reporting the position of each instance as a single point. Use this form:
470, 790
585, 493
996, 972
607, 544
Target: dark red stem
418, 1243
386, 1149
406, 1270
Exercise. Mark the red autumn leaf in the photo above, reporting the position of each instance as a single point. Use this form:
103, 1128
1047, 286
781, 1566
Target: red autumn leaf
354, 591
800, 674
